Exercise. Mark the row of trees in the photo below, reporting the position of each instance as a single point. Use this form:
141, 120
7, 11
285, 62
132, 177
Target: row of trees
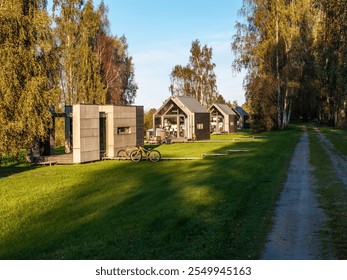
295, 55
61, 58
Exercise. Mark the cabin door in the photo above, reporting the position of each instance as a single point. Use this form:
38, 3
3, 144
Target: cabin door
102, 133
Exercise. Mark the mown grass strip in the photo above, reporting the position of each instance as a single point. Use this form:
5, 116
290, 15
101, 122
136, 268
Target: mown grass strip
218, 208
332, 196
338, 137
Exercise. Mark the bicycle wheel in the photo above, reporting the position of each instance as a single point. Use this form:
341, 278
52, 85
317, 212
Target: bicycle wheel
154, 155
136, 156
122, 154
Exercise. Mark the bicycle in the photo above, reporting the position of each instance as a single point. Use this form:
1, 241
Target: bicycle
141, 152
125, 153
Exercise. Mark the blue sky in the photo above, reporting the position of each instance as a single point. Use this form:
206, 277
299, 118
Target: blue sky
160, 34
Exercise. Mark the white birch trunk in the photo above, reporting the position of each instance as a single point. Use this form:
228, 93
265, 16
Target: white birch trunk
279, 99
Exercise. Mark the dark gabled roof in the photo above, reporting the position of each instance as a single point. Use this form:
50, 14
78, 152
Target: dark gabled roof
240, 111
189, 103
223, 108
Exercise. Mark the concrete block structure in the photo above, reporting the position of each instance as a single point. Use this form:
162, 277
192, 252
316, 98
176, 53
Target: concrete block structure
102, 130
85, 133
223, 119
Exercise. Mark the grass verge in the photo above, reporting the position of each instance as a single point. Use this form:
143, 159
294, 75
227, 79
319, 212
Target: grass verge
218, 208
338, 137
332, 195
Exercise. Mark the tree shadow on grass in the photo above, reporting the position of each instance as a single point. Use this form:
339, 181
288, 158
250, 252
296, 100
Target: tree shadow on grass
208, 209
9, 170
146, 219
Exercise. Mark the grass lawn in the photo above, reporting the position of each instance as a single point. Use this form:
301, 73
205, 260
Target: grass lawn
216, 208
196, 149
332, 193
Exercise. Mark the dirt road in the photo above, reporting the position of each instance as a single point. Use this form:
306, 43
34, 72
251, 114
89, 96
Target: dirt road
298, 219
339, 161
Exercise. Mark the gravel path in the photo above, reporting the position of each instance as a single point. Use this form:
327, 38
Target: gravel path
298, 219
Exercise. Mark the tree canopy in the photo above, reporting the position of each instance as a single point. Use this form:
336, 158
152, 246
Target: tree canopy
294, 52
197, 79
28, 60
95, 65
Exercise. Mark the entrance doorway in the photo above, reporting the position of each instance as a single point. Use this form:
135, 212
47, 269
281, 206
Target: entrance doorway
63, 131
102, 133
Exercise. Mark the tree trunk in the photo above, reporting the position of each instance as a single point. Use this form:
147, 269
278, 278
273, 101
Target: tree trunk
279, 99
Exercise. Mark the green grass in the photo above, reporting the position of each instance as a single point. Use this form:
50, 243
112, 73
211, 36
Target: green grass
332, 193
196, 149
338, 137
231, 136
60, 150
218, 208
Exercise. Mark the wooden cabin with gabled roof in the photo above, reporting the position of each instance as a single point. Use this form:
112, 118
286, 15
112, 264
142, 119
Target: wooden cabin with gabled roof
223, 119
243, 118
183, 118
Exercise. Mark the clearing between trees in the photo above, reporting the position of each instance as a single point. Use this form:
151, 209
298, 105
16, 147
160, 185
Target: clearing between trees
214, 208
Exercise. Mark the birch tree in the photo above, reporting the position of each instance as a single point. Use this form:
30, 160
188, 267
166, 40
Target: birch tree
77, 28
197, 79
332, 58
268, 45
126, 77
67, 15
90, 89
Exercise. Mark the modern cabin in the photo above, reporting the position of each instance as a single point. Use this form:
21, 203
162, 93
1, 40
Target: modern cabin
183, 118
95, 131
242, 117
223, 119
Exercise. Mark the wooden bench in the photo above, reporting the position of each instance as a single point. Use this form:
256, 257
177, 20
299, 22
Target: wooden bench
238, 151
213, 155
242, 139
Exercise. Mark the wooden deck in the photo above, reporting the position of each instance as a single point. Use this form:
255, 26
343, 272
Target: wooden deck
58, 159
